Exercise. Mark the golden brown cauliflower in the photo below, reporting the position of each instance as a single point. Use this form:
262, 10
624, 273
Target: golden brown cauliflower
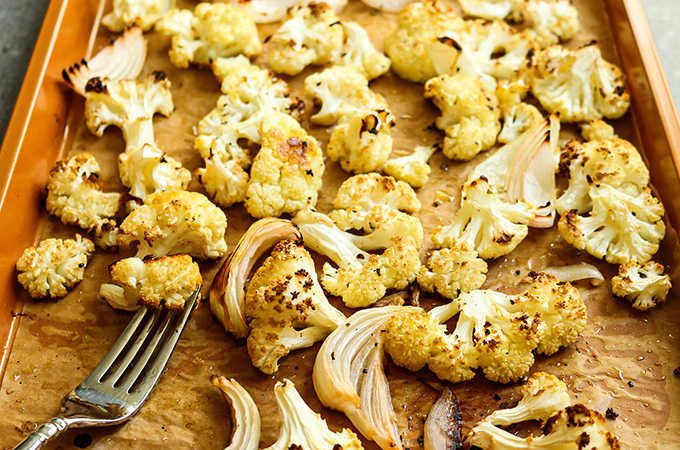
453, 270
211, 31
167, 282
54, 267
176, 222
470, 114
312, 34
74, 194
419, 26
287, 170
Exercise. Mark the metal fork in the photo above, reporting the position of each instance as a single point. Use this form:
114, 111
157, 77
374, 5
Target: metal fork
119, 385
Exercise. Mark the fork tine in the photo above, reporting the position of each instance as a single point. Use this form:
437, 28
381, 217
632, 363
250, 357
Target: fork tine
135, 348
141, 362
156, 369
112, 356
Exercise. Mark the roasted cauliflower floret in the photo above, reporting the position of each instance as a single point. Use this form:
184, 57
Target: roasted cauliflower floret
286, 307
512, 10
453, 270
166, 281
579, 84
342, 91
363, 143
561, 309
413, 168
54, 267
210, 31
128, 105
287, 170
148, 169
491, 227
74, 194
419, 25
490, 50
511, 91
303, 428
470, 114
644, 285
552, 21
615, 162
250, 93
517, 118
495, 332
359, 53
379, 206
128, 13
620, 229
597, 130
312, 34
361, 278
372, 189
176, 222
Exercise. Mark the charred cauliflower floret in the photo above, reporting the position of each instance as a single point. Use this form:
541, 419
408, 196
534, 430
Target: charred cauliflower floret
544, 399
342, 92
210, 31
491, 227
359, 53
644, 285
597, 130
470, 114
54, 267
360, 278
414, 168
620, 228
453, 270
148, 169
128, 105
249, 93
494, 331
379, 206
511, 92
552, 21
512, 10
363, 143
615, 162
287, 170
419, 25
74, 194
286, 307
312, 34
166, 281
579, 84
517, 118
176, 222
490, 50
141, 13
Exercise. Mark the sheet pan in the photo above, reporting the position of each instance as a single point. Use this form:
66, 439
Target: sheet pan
47, 124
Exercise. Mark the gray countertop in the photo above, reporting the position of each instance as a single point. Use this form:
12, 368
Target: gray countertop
20, 22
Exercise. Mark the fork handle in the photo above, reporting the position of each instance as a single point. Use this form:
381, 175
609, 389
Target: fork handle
43, 434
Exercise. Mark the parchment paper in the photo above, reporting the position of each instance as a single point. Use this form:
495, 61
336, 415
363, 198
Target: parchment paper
624, 360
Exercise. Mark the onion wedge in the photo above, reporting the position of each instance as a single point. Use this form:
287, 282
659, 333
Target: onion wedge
245, 417
349, 375
268, 11
227, 293
525, 169
443, 424
122, 60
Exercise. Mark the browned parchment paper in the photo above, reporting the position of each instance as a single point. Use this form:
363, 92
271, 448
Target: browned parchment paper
624, 360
